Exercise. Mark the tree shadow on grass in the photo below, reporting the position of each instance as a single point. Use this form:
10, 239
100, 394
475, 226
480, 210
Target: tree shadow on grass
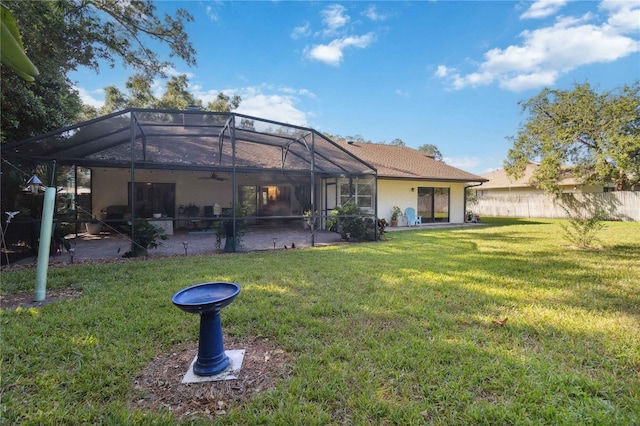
510, 221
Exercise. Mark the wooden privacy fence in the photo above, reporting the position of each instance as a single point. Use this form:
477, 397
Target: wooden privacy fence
625, 204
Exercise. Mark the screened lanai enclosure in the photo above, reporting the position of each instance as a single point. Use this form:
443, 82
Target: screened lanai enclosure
191, 171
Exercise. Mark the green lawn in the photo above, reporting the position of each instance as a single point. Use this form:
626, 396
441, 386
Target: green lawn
395, 332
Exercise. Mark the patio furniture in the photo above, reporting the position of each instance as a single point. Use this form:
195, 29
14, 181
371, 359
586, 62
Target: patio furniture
193, 216
166, 223
117, 217
412, 219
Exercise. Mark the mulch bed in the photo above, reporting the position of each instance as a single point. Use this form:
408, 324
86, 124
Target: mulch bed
25, 300
161, 384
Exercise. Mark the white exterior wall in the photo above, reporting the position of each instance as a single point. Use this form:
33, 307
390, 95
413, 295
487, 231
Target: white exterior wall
398, 193
110, 187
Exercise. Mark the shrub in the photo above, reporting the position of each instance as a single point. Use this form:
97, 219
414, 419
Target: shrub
144, 238
350, 222
585, 220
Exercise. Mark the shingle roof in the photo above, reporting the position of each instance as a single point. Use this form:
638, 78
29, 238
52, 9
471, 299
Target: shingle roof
393, 161
500, 179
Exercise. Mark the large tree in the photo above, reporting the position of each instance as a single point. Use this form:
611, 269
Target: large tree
397, 142
596, 133
61, 36
431, 150
176, 96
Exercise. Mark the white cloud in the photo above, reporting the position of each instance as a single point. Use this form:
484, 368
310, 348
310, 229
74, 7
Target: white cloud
301, 31
294, 91
373, 14
264, 101
529, 81
172, 72
273, 107
332, 53
624, 15
334, 18
403, 93
548, 52
442, 71
543, 8
91, 97
212, 12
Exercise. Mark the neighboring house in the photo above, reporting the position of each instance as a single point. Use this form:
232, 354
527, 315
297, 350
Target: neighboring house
503, 196
500, 184
410, 178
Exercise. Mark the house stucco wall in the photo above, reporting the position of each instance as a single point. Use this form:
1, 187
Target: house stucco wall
395, 192
110, 187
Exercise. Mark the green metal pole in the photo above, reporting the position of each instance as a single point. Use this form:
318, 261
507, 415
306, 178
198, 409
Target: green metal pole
45, 243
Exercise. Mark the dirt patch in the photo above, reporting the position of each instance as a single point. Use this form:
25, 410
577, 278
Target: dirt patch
161, 384
25, 300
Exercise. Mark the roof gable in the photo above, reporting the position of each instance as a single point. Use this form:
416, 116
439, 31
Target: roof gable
500, 179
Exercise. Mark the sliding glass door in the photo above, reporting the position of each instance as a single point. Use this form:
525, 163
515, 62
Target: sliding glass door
153, 198
433, 204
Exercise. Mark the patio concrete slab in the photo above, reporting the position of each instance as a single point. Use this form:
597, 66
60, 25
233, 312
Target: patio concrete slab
111, 245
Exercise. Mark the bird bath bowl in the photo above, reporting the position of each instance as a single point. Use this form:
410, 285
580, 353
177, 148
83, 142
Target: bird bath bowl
207, 299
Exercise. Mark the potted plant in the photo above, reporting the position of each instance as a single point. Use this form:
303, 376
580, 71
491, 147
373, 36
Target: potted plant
145, 235
309, 219
94, 227
395, 212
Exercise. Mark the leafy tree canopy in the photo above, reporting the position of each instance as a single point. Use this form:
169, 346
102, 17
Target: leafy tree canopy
596, 133
60, 36
431, 150
176, 96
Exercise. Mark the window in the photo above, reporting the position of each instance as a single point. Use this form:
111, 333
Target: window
362, 194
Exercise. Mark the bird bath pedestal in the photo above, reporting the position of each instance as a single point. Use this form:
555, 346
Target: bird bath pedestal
207, 299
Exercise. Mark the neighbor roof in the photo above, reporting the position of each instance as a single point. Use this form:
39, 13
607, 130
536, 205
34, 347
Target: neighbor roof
499, 178
192, 139
401, 162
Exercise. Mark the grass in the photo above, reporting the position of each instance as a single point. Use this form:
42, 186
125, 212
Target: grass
395, 332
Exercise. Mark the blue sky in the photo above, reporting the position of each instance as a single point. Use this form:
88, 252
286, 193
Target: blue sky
447, 73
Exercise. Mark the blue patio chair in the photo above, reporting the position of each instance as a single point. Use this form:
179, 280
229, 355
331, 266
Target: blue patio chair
412, 219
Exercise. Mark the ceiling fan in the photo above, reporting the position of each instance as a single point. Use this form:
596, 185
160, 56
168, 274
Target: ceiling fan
214, 176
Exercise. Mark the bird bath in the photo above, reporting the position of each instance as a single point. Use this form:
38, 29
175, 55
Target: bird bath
207, 299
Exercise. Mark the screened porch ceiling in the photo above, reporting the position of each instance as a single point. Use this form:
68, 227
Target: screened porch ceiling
191, 140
